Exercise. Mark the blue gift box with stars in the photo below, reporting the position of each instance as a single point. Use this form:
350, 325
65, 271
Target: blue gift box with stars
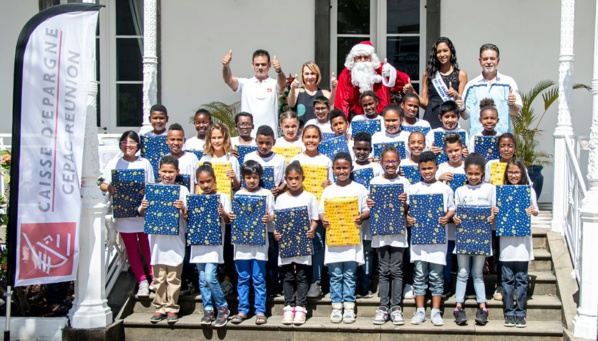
248, 228
243, 151
293, 225
474, 235
334, 146
410, 129
379, 147
183, 180
412, 173
153, 148
203, 227
161, 217
368, 126
512, 219
487, 146
327, 136
458, 181
363, 176
427, 209
197, 153
388, 214
267, 180
129, 184
439, 142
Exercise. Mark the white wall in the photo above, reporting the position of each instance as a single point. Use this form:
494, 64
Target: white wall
197, 35
528, 35
13, 16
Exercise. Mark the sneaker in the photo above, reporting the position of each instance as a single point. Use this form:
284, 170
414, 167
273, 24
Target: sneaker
349, 313
314, 290
152, 288
396, 315
498, 294
437, 318
157, 317
337, 313
143, 290
481, 316
300, 316
509, 321
419, 317
408, 292
520, 322
208, 317
227, 288
288, 315
172, 318
365, 294
460, 316
381, 315
222, 317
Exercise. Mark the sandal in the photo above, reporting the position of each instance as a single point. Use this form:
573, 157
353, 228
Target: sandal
260, 319
239, 318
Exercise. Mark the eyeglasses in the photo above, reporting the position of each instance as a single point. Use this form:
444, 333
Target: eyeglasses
390, 162
244, 125
514, 173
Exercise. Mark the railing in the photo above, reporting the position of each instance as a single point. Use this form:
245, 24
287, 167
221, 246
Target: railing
575, 189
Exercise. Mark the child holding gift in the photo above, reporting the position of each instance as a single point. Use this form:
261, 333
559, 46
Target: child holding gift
392, 127
296, 271
290, 126
201, 122
449, 116
218, 148
158, 118
410, 111
168, 251
342, 261
416, 145
488, 118
244, 126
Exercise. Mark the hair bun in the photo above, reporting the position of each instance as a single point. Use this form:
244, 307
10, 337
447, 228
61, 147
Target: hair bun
207, 164
487, 102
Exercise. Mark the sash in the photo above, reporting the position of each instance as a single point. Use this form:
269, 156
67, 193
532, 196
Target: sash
440, 87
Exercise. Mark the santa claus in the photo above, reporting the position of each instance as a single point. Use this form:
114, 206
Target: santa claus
363, 72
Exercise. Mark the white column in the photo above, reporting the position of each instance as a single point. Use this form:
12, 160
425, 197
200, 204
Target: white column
150, 61
564, 129
90, 308
585, 322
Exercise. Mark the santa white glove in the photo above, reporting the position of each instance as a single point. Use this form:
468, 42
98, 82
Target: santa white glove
388, 71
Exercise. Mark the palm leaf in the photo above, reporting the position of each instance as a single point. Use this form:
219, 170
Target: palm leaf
223, 113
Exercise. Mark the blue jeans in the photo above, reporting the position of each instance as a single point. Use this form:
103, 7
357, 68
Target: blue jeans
209, 287
342, 281
427, 274
477, 272
273, 283
364, 272
448, 279
317, 259
247, 270
514, 280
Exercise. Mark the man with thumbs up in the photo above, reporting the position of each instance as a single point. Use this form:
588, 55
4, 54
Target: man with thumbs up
259, 94
492, 84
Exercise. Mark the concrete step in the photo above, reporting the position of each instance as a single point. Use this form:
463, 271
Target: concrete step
138, 327
542, 261
539, 240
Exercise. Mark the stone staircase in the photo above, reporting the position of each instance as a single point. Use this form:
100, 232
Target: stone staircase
544, 314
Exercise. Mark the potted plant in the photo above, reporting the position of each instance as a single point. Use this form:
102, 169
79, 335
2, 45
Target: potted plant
527, 133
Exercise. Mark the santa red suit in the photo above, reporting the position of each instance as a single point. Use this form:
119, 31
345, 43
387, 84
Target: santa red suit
358, 77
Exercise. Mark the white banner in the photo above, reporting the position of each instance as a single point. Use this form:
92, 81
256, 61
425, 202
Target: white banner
57, 61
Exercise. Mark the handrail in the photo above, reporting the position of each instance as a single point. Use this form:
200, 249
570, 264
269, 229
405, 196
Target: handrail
573, 156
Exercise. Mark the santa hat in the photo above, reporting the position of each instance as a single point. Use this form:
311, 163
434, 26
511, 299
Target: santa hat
365, 47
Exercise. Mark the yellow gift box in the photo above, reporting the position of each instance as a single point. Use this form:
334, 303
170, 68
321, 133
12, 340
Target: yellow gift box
497, 173
313, 178
341, 213
223, 182
288, 152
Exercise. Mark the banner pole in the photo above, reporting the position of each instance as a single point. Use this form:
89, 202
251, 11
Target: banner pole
8, 312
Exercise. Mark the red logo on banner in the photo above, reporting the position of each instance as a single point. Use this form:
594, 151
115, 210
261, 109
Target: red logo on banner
46, 250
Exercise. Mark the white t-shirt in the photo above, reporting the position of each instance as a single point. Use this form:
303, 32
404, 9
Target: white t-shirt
212, 253
408, 162
194, 143
432, 253
234, 163
349, 253
275, 161
518, 249
235, 142
188, 164
385, 137
261, 100
281, 142
418, 123
129, 225
394, 240
324, 127
318, 160
169, 249
286, 200
378, 170
246, 252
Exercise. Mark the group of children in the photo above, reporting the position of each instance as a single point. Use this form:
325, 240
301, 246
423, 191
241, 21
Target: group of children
349, 266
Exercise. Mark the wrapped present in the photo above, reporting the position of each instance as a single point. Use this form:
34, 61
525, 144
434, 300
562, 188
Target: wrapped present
203, 227
153, 148
293, 225
369, 126
458, 181
410, 129
439, 142
487, 146
161, 217
427, 209
497, 173
313, 178
288, 152
248, 228
129, 184
363, 176
267, 180
244, 150
512, 219
474, 235
341, 213
223, 182
333, 146
328, 136
183, 180
412, 173
388, 214
379, 147
197, 153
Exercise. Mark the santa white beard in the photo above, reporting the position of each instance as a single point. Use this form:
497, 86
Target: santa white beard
363, 74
